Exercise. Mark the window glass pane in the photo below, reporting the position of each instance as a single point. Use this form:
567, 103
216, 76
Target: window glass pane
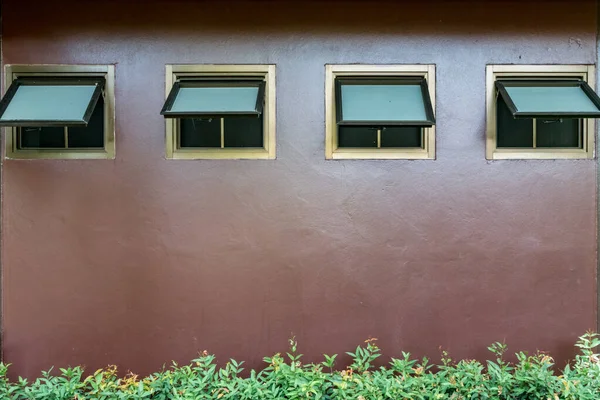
558, 133
91, 136
401, 136
243, 131
196, 132
215, 99
48, 137
382, 103
49, 103
550, 99
512, 132
357, 136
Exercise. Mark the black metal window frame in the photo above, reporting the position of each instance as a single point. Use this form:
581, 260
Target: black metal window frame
502, 84
392, 80
214, 82
51, 81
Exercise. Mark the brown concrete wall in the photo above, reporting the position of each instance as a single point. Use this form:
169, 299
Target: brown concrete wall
141, 260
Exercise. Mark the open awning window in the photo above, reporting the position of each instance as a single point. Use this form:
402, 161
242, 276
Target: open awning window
37, 102
383, 102
549, 98
204, 98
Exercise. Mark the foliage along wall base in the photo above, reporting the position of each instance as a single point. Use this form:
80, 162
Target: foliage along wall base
532, 377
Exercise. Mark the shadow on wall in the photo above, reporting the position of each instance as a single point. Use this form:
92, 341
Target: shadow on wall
313, 16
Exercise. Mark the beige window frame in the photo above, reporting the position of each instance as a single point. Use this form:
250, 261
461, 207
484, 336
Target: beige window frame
332, 151
107, 72
266, 71
495, 72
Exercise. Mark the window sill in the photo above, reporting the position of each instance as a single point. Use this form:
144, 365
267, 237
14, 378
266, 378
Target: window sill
529, 154
221, 154
60, 155
379, 154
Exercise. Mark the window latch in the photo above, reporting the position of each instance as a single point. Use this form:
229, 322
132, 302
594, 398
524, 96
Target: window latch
195, 120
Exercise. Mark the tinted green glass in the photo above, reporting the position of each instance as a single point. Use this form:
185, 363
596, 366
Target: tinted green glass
48, 137
49, 103
215, 99
563, 133
560, 99
243, 131
357, 136
401, 136
91, 136
510, 131
382, 103
195, 132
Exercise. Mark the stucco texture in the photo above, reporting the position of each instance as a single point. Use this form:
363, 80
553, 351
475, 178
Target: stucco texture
141, 260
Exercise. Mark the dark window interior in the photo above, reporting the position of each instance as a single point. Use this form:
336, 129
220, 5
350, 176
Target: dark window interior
244, 131
559, 133
401, 136
550, 133
48, 137
237, 132
195, 132
512, 132
91, 136
391, 137
357, 136
51, 137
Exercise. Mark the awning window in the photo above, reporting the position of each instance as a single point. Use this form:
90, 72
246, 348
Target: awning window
549, 98
214, 98
37, 102
383, 102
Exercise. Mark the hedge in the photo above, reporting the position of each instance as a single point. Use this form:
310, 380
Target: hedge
531, 377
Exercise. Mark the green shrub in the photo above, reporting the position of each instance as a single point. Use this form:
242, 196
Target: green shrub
532, 377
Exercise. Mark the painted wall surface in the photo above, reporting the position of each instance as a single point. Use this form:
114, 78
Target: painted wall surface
141, 260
